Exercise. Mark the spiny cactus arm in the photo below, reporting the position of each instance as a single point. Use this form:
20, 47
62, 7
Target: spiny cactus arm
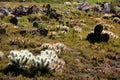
46, 46
15, 61
53, 66
29, 54
57, 50
54, 58
14, 52
12, 62
30, 58
42, 63
12, 59
46, 66
35, 63
39, 65
57, 46
58, 67
22, 58
25, 61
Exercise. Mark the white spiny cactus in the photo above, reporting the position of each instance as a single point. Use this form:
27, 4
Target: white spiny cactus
58, 47
45, 59
20, 58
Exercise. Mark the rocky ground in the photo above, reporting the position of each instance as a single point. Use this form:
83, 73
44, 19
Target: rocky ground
31, 25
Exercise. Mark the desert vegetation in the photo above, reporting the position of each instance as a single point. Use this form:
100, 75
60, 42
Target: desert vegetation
59, 40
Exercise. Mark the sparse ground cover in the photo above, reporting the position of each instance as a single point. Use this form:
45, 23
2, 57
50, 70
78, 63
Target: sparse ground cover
84, 61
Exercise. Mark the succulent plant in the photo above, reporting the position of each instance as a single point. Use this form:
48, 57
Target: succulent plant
48, 60
45, 60
58, 65
20, 58
58, 47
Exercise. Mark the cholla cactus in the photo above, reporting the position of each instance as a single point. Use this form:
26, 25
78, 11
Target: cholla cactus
20, 58
58, 47
45, 60
46, 46
58, 65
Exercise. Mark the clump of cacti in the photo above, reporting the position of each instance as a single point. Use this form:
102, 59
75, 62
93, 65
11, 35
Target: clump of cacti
57, 47
58, 65
20, 58
45, 61
97, 35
